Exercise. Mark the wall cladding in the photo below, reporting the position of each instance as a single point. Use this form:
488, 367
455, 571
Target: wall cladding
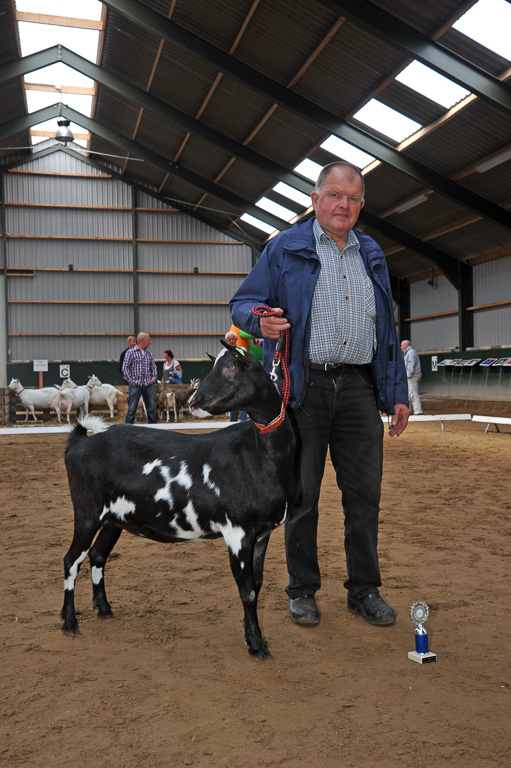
70, 256
491, 286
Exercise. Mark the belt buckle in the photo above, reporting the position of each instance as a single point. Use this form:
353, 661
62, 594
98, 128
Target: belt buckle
330, 367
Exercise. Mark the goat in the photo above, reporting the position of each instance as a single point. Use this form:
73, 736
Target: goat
172, 487
179, 394
76, 396
46, 397
100, 393
163, 400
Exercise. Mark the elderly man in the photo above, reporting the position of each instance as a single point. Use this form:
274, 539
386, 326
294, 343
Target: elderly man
414, 373
139, 369
329, 284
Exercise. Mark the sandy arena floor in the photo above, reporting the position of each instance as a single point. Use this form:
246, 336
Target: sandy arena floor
168, 683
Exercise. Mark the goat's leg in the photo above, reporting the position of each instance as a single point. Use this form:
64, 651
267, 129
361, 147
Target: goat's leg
98, 555
242, 566
73, 559
260, 547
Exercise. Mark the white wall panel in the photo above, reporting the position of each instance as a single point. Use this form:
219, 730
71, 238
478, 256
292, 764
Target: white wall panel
58, 254
428, 300
437, 333
492, 327
492, 281
185, 256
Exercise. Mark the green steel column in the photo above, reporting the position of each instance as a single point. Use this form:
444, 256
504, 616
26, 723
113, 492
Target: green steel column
3, 227
134, 250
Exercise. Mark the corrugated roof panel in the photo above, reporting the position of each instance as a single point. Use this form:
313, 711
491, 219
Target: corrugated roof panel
424, 17
345, 72
475, 239
410, 103
129, 50
201, 18
281, 56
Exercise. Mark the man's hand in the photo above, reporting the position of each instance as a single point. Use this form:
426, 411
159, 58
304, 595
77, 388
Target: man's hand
399, 420
272, 327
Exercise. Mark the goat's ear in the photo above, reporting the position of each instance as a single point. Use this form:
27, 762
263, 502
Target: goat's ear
211, 357
238, 353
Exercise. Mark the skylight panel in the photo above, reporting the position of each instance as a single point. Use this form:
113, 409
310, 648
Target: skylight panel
386, 120
432, 84
40, 99
309, 169
347, 152
59, 74
278, 210
257, 223
85, 9
488, 22
50, 126
37, 37
293, 194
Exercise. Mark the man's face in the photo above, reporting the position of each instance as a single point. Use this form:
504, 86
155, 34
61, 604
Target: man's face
144, 342
339, 202
404, 347
132, 342
232, 339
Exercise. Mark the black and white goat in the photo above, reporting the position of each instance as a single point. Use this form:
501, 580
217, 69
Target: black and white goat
172, 487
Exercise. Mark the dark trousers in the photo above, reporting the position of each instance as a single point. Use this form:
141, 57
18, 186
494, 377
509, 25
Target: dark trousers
134, 395
339, 413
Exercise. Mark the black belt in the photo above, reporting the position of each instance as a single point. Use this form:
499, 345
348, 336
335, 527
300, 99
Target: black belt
338, 367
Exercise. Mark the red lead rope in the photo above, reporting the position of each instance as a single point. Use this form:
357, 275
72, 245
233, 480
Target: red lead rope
282, 353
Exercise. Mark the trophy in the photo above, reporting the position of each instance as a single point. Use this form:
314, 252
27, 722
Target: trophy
419, 613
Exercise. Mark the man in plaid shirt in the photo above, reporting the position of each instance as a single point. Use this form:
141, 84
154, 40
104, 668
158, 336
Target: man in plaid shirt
139, 369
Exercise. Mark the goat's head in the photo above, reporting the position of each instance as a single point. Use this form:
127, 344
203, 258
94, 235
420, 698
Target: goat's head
94, 381
68, 384
15, 383
236, 381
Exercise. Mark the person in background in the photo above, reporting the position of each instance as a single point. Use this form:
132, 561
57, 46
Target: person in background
139, 369
172, 371
132, 342
330, 285
242, 339
414, 373
231, 338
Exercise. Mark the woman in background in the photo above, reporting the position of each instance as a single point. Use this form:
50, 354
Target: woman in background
172, 371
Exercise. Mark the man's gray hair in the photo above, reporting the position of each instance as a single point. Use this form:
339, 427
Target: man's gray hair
339, 164
141, 336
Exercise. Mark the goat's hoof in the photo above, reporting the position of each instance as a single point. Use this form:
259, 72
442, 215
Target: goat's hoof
71, 628
260, 653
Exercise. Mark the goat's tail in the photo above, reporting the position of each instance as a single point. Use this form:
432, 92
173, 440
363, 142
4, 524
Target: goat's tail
92, 424
89, 423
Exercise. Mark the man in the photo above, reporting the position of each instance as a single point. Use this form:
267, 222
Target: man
414, 373
139, 369
132, 342
330, 286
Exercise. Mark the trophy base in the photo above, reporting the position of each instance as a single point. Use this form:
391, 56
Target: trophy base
422, 658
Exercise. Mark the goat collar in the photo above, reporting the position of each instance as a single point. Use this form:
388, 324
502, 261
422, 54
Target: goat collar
263, 428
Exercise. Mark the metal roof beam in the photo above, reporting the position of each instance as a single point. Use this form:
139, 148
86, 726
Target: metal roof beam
163, 28
396, 33
164, 164
60, 53
450, 266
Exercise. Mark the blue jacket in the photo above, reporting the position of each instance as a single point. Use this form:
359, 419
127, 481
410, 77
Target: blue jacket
285, 276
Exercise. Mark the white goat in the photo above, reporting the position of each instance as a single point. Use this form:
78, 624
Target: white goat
47, 397
104, 393
76, 396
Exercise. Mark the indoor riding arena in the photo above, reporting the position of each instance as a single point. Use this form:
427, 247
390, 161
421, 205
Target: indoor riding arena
149, 151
